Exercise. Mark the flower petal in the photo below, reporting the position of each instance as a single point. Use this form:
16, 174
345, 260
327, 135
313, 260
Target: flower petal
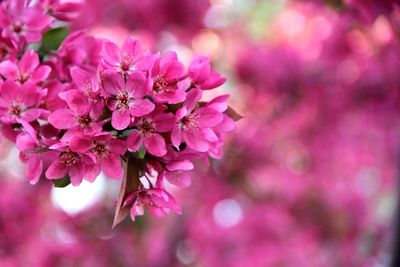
155, 145
120, 119
62, 119
141, 107
134, 141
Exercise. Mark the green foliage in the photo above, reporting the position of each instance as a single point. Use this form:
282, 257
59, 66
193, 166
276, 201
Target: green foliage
63, 182
52, 39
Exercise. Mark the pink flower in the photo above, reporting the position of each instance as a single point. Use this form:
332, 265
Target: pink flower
177, 172
21, 23
60, 10
19, 102
194, 126
125, 60
87, 94
166, 80
77, 50
202, 75
8, 49
226, 125
148, 132
27, 69
158, 201
104, 150
78, 116
126, 97
34, 148
76, 165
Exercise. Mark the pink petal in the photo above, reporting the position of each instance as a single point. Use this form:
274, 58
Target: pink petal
31, 114
117, 146
80, 76
110, 53
111, 166
195, 141
209, 117
155, 145
34, 169
25, 142
8, 69
40, 74
91, 172
57, 170
29, 62
37, 21
164, 122
10, 90
180, 165
77, 102
131, 47
113, 82
209, 135
62, 119
136, 84
120, 119
176, 136
179, 178
76, 174
192, 98
81, 144
141, 107
134, 141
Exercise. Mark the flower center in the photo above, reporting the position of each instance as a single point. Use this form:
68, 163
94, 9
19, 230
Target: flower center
84, 121
144, 200
17, 27
100, 149
159, 84
126, 62
190, 121
69, 158
146, 127
16, 110
23, 77
123, 100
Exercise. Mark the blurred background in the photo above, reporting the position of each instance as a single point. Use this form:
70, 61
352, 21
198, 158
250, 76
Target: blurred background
309, 177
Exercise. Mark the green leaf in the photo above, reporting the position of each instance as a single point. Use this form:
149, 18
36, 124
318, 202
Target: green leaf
141, 153
52, 39
63, 182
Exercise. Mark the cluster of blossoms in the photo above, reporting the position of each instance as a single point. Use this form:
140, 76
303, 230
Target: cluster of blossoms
91, 106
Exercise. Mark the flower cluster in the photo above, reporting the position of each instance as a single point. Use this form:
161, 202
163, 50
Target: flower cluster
91, 106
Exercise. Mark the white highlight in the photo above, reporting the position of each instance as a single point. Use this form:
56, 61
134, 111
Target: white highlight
227, 213
76, 199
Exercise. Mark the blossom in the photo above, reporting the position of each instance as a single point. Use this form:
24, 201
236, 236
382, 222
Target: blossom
34, 148
194, 126
126, 59
64, 11
167, 74
19, 102
27, 69
22, 24
87, 93
158, 201
148, 132
77, 166
126, 97
202, 75
79, 116
104, 150
177, 172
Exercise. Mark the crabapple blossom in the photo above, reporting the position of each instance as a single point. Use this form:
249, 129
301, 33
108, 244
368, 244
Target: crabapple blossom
88, 106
